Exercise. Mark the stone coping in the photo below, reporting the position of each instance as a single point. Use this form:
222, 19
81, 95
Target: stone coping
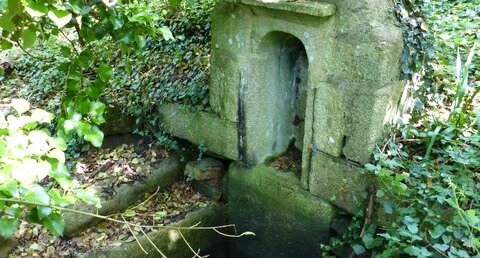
320, 9
169, 241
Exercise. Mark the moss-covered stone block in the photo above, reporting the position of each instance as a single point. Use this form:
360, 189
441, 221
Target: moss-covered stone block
287, 221
216, 135
337, 181
170, 242
161, 177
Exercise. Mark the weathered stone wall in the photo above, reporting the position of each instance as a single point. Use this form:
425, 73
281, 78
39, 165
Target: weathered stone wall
353, 51
353, 77
287, 221
325, 75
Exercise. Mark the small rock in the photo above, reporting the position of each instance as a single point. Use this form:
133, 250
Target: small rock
204, 169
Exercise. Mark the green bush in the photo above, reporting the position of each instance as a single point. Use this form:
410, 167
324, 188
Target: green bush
164, 71
167, 71
33, 176
427, 202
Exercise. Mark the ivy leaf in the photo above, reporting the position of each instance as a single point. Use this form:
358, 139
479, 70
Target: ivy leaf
20, 105
85, 59
418, 251
95, 137
8, 227
28, 38
37, 194
437, 231
6, 23
369, 241
60, 17
411, 223
84, 106
9, 188
441, 247
36, 9
14, 210
14, 6
55, 224
97, 108
5, 44
358, 249
472, 218
60, 200
105, 72
57, 154
42, 116
388, 207
73, 85
129, 213
166, 33
43, 212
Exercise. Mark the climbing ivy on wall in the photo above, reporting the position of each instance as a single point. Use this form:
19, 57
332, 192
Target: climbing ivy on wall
176, 70
427, 199
167, 71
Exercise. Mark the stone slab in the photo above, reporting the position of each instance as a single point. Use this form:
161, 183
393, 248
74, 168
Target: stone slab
287, 221
201, 128
170, 242
314, 8
337, 181
165, 174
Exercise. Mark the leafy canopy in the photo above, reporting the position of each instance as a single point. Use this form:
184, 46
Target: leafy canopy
33, 176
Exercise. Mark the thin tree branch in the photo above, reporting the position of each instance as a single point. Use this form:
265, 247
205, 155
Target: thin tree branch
151, 242
197, 255
134, 236
194, 227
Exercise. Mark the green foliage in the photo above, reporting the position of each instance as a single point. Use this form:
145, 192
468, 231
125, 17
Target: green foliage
163, 71
427, 202
32, 162
166, 71
33, 174
83, 72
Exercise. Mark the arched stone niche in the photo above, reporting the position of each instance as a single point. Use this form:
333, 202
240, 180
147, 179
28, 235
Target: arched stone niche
272, 97
323, 76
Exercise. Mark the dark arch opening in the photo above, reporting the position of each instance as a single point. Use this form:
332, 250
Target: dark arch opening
288, 58
284, 84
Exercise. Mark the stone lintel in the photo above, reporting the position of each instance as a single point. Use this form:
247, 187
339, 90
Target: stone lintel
319, 9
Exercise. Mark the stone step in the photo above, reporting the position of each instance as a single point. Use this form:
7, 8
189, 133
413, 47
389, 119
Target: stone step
163, 175
170, 242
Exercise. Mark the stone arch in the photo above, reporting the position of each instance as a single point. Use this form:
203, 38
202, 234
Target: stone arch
279, 81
